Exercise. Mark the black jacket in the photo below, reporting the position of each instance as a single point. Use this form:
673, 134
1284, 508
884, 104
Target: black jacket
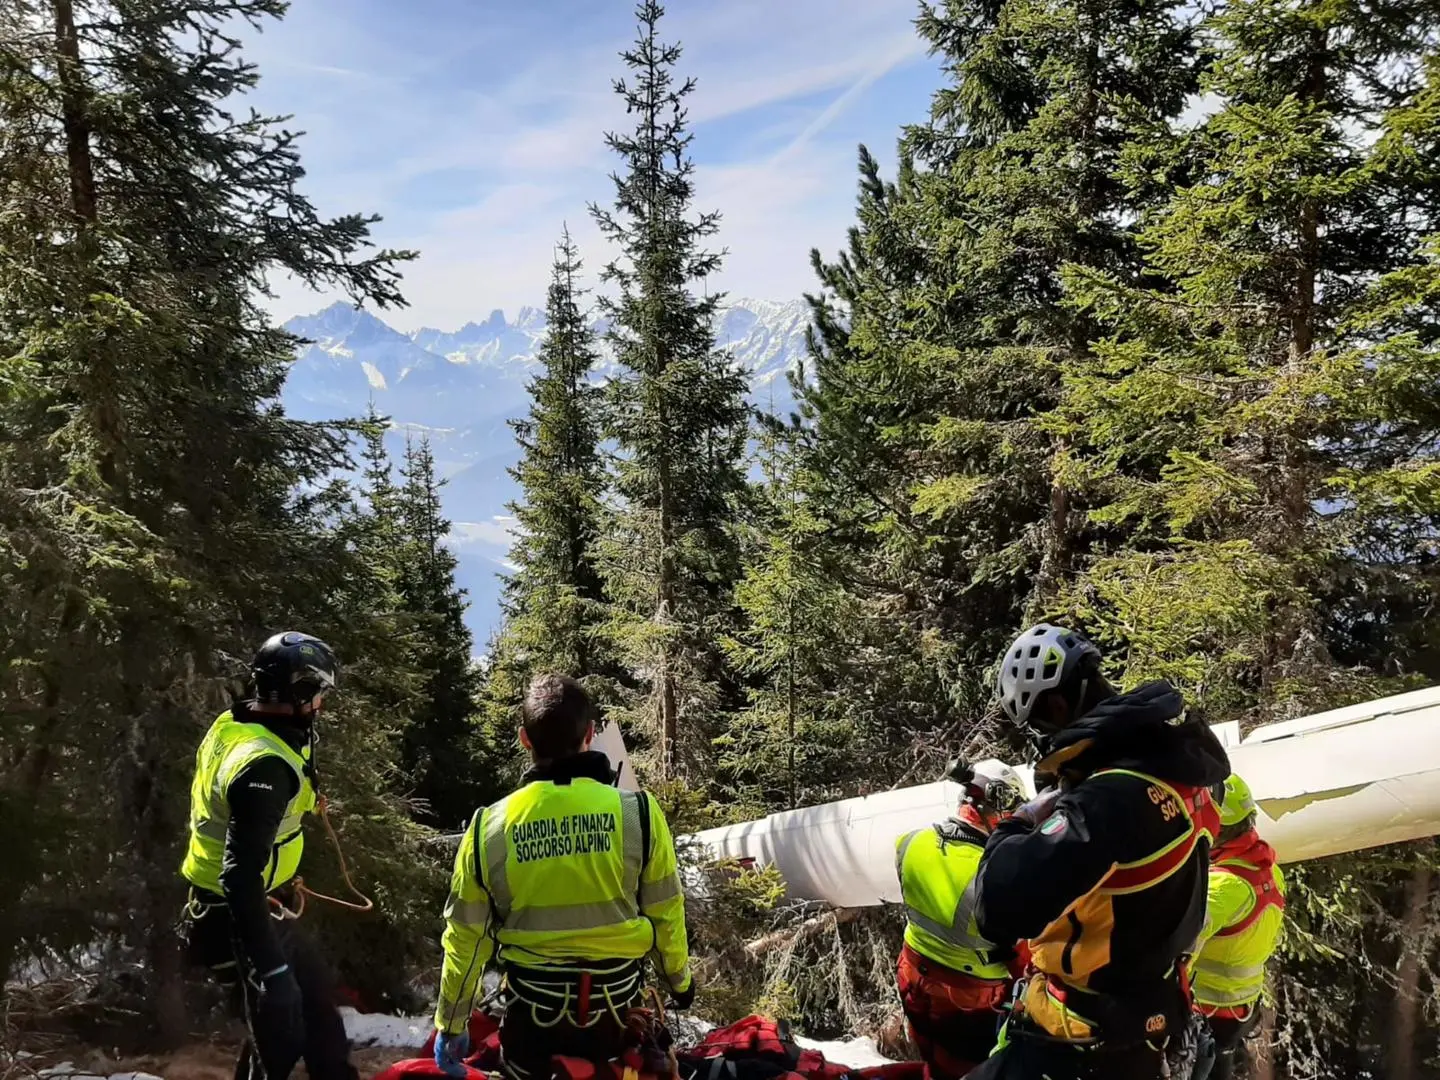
258, 797
1104, 907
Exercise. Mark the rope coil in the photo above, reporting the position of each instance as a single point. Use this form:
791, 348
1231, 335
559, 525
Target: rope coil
281, 913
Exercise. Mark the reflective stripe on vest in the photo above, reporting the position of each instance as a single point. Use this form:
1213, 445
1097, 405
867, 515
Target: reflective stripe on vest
1262, 883
957, 942
955, 932
492, 868
1229, 997
229, 747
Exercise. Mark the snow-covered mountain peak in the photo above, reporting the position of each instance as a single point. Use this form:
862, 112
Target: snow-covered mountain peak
344, 325
461, 386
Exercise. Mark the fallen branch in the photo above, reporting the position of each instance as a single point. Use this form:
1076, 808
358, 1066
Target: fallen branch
790, 935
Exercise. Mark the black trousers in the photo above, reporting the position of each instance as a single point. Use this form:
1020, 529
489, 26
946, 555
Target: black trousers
267, 1053
526, 1047
1228, 1035
1028, 1058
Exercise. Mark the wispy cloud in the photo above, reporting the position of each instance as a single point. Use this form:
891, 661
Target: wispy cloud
476, 127
497, 533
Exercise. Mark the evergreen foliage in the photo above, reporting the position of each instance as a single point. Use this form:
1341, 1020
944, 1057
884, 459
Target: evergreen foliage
160, 514
1142, 335
554, 603
793, 744
669, 557
554, 600
440, 749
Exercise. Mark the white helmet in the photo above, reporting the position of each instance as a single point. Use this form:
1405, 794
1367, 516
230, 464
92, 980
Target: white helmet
999, 785
1045, 657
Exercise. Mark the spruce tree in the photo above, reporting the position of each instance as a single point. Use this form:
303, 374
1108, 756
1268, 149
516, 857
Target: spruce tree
1257, 432
553, 601
677, 414
1260, 419
794, 743
941, 332
155, 522
439, 740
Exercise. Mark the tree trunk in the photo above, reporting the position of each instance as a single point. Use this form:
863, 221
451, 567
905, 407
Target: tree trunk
153, 834
1400, 1053
825, 921
1055, 559
74, 114
665, 611
155, 843
1262, 1049
790, 693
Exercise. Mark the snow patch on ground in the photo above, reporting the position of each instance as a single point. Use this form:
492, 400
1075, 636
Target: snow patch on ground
858, 1053
68, 1071
368, 1030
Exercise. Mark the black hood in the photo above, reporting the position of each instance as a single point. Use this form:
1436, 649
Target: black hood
1145, 730
589, 765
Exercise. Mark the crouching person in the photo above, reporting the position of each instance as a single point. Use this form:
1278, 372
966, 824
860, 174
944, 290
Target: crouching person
952, 982
569, 884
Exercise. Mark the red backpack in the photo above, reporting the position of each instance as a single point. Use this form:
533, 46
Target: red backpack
756, 1048
752, 1037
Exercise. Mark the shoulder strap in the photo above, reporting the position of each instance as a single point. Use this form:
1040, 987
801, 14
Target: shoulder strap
643, 801
1262, 884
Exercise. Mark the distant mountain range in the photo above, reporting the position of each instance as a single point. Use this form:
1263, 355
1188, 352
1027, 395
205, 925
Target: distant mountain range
461, 387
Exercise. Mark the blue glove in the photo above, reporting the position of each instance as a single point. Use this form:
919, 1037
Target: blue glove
450, 1053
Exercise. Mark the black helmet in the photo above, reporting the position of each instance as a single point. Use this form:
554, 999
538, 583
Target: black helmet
291, 668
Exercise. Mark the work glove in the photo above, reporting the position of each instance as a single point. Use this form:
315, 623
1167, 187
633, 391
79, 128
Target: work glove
1039, 808
279, 1017
451, 1052
680, 1000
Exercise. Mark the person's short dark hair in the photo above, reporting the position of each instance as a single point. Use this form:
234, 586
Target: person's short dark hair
556, 715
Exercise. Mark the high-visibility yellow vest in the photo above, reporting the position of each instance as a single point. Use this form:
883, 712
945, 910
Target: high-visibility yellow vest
1243, 926
561, 875
562, 865
937, 883
228, 747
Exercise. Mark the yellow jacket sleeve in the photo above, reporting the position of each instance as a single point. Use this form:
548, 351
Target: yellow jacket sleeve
467, 939
663, 903
1229, 900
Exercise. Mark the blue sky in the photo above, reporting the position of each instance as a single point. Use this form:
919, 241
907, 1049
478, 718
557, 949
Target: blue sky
475, 127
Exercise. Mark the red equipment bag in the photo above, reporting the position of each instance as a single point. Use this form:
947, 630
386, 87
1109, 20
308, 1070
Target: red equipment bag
415, 1068
484, 1042
757, 1048
753, 1037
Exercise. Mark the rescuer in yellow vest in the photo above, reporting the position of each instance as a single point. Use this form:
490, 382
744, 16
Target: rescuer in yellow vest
570, 883
952, 982
1244, 920
1105, 872
254, 783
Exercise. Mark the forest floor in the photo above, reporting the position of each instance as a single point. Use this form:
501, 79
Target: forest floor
378, 1040
199, 1061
